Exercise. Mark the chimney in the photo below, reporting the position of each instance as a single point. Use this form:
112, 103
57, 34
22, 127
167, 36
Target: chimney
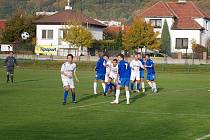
68, 7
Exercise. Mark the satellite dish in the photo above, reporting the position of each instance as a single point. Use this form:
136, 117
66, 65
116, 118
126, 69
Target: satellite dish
25, 35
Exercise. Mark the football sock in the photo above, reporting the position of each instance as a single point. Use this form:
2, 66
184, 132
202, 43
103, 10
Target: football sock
142, 85
73, 96
107, 88
117, 95
12, 78
7, 77
138, 86
154, 85
95, 87
127, 96
65, 96
132, 85
150, 84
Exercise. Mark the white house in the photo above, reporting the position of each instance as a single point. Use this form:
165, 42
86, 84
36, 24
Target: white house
185, 20
50, 32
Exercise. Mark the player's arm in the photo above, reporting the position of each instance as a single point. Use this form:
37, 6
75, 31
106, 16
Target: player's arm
141, 65
131, 65
75, 76
151, 64
5, 62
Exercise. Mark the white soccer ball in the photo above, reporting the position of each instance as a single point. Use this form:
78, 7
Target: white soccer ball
25, 35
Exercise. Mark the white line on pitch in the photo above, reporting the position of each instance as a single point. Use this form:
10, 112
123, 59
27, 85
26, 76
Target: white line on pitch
204, 137
82, 106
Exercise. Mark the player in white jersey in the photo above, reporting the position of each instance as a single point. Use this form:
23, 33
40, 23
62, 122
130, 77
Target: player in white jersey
135, 74
68, 71
113, 77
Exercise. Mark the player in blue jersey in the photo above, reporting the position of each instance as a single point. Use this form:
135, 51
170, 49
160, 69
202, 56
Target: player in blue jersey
124, 73
141, 72
100, 73
149, 65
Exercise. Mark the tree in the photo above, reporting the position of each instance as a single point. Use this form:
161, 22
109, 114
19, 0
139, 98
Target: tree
15, 26
165, 40
139, 34
78, 35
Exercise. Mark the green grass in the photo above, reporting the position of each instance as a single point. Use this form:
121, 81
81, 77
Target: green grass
30, 109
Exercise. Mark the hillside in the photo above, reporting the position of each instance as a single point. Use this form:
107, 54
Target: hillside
102, 9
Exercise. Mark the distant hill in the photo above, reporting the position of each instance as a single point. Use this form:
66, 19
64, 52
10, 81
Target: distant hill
102, 9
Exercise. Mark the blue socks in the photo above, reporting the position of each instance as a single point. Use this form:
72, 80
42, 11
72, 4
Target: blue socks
108, 86
132, 85
73, 97
138, 86
65, 96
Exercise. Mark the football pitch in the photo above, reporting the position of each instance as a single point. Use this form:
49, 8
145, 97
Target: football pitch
31, 108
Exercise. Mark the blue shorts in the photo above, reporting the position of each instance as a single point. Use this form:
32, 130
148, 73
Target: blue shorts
100, 77
151, 77
141, 74
124, 82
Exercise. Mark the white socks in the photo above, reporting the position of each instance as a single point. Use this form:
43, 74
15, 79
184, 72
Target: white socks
117, 95
128, 97
142, 85
154, 85
95, 87
150, 84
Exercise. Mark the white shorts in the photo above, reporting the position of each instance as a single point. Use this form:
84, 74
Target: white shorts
135, 76
106, 77
113, 76
68, 82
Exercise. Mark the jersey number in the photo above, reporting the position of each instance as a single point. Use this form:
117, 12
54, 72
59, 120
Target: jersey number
126, 66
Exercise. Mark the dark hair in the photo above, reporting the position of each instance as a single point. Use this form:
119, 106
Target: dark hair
106, 55
115, 60
121, 55
147, 55
70, 55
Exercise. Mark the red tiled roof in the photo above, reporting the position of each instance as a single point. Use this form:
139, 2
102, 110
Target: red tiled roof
2, 24
184, 13
158, 10
61, 18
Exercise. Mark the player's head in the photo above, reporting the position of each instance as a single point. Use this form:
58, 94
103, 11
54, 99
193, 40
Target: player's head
106, 57
100, 54
136, 56
120, 57
70, 58
114, 62
139, 55
11, 53
147, 56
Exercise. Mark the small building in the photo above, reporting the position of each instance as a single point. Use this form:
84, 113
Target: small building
50, 31
186, 23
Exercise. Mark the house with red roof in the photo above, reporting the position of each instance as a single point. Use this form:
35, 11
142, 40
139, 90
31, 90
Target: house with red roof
2, 24
185, 20
50, 31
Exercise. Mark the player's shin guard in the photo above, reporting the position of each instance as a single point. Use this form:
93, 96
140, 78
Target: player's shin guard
73, 97
95, 87
128, 97
132, 85
65, 96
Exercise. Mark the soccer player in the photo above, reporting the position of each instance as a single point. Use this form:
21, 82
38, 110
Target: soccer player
68, 71
100, 73
149, 65
124, 73
107, 64
141, 72
135, 75
10, 63
113, 77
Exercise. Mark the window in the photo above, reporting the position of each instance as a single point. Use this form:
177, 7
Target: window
156, 23
207, 25
47, 34
181, 43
